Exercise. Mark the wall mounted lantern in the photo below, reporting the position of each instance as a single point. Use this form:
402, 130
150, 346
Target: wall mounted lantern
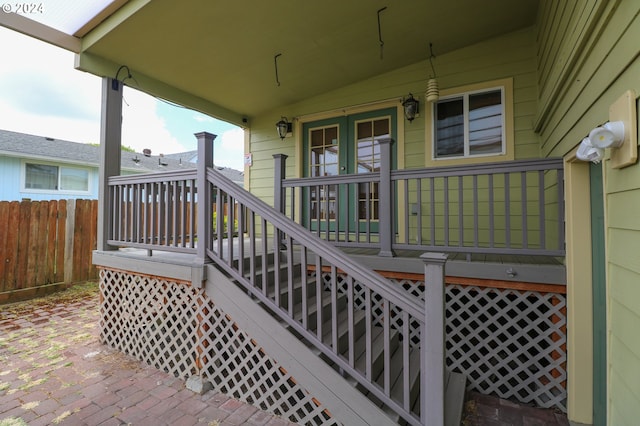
618, 134
411, 107
284, 127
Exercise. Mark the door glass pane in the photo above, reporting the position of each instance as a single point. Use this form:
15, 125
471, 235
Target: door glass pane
40, 176
485, 123
368, 136
323, 161
449, 138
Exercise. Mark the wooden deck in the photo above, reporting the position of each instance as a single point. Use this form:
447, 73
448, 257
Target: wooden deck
509, 268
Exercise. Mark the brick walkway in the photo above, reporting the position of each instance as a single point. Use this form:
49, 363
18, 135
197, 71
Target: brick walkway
483, 410
53, 371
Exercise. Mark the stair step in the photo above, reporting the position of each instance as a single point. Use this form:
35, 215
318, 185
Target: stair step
455, 391
377, 350
297, 286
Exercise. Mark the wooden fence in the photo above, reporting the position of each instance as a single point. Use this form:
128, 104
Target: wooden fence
45, 246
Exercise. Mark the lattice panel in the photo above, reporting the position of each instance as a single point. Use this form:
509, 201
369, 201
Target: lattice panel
178, 329
150, 319
508, 343
237, 366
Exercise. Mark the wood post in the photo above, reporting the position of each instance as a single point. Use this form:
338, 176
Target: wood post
385, 201
110, 146
432, 347
204, 205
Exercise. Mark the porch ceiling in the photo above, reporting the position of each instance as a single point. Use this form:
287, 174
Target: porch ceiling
218, 55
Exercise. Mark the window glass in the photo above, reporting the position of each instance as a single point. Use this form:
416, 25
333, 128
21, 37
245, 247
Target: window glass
485, 123
41, 176
449, 128
471, 124
74, 179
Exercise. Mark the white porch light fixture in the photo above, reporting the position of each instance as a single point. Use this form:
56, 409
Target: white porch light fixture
609, 135
284, 127
588, 152
618, 134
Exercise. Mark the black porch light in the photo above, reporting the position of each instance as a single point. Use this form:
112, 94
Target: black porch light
284, 127
411, 107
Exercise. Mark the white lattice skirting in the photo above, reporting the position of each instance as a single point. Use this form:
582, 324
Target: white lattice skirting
509, 343
178, 329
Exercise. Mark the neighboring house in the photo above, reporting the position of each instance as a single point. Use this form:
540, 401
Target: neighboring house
43, 168
522, 83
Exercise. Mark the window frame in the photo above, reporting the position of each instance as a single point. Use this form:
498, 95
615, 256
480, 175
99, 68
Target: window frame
507, 153
59, 167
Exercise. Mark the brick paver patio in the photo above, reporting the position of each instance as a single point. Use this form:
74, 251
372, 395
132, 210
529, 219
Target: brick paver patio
53, 370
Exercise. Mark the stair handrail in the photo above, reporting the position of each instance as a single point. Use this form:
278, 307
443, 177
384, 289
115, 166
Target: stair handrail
321, 247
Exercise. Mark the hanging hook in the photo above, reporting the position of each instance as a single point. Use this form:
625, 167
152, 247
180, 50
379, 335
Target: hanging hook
275, 62
380, 32
431, 56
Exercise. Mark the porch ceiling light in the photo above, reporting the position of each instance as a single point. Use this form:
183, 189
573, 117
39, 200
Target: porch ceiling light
411, 107
284, 127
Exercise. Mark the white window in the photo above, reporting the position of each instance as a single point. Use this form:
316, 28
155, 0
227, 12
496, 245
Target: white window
470, 125
49, 178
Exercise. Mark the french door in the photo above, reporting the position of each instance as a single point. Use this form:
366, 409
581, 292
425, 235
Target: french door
345, 145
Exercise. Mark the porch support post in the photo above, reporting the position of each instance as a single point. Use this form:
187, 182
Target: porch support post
432, 354
385, 205
280, 164
278, 192
110, 146
204, 204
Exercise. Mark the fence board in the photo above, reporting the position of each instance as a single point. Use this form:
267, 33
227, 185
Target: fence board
22, 258
60, 241
4, 230
42, 242
37, 244
52, 232
11, 247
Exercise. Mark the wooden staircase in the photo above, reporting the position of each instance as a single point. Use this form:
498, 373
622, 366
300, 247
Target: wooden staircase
327, 330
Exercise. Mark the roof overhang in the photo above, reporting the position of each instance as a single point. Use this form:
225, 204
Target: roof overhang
237, 60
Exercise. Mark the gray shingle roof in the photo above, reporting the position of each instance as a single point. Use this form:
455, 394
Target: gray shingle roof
38, 147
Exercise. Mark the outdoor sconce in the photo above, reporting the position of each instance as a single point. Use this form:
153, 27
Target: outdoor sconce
284, 127
411, 107
619, 134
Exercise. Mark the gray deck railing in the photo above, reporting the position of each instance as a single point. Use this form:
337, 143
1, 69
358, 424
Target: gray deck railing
154, 211
499, 208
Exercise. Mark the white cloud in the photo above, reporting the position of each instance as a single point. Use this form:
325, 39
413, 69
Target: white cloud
143, 128
229, 150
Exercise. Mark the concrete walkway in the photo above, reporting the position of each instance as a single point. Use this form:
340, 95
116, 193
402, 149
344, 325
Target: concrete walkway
53, 370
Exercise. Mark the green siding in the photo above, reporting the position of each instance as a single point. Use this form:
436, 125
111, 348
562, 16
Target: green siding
588, 56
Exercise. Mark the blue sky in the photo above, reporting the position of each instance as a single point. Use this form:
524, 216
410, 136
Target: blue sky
42, 94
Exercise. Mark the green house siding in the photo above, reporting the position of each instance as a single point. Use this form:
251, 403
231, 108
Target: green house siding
587, 58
